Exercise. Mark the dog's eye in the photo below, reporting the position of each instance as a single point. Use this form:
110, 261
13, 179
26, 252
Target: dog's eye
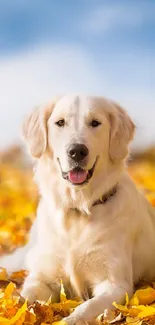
95, 123
60, 123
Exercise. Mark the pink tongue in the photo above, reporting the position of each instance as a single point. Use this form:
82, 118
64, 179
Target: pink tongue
77, 177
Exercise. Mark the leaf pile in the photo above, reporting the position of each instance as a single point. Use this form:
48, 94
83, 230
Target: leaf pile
18, 201
18, 198
14, 310
143, 174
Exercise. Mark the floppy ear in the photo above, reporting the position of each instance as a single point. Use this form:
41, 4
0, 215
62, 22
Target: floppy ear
34, 130
122, 132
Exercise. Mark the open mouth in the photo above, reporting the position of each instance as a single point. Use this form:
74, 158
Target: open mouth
78, 175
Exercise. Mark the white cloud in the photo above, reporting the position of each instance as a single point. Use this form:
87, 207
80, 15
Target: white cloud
32, 78
121, 15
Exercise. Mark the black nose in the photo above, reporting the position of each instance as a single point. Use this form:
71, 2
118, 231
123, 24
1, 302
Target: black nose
77, 152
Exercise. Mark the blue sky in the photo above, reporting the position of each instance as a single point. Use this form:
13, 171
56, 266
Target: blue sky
104, 47
27, 23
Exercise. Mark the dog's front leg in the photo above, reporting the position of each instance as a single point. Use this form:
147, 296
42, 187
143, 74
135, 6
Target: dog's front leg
34, 288
106, 294
42, 281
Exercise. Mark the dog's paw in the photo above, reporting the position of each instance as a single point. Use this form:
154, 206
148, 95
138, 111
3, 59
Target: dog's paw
72, 321
35, 291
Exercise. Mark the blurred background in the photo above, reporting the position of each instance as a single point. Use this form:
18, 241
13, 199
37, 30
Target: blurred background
97, 47
100, 47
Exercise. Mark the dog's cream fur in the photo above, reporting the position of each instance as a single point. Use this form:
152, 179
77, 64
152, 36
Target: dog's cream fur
99, 251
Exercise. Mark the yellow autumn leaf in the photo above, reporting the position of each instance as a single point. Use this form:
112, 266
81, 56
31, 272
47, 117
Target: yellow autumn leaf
133, 321
62, 293
61, 322
126, 299
3, 274
20, 312
30, 317
122, 308
134, 301
9, 290
66, 305
145, 296
145, 311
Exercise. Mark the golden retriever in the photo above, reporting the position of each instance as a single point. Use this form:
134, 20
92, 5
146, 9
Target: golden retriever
94, 229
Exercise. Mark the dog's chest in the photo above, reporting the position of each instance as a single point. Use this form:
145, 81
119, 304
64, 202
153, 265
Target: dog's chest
77, 229
74, 224
80, 242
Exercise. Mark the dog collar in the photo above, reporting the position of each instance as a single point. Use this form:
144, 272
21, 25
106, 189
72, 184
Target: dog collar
106, 197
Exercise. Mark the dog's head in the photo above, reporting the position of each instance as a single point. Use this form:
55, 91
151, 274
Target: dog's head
81, 134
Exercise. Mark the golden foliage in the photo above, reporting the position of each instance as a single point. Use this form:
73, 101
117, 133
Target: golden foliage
18, 200
18, 197
14, 310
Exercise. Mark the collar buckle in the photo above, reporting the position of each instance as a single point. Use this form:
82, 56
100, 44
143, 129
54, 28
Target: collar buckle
106, 197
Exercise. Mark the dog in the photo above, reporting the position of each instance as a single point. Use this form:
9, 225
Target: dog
94, 229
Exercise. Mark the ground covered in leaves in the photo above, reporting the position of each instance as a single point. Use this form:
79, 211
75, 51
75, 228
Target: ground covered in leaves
18, 201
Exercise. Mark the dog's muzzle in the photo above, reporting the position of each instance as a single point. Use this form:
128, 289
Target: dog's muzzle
78, 175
